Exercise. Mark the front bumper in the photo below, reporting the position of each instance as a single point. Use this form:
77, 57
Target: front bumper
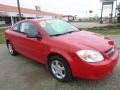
94, 71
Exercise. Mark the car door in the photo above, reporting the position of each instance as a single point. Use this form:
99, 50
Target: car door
14, 35
31, 47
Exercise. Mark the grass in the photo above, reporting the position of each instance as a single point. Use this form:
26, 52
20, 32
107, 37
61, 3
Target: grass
2, 40
105, 31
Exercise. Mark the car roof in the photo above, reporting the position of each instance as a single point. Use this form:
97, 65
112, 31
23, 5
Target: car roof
40, 19
36, 20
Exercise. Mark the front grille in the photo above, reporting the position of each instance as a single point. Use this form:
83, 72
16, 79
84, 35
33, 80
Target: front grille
110, 52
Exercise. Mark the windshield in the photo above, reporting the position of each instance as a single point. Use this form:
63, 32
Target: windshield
57, 27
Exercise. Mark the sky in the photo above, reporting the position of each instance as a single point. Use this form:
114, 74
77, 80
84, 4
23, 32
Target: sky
66, 7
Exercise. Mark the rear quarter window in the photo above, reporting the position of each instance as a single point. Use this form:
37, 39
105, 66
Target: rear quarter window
16, 28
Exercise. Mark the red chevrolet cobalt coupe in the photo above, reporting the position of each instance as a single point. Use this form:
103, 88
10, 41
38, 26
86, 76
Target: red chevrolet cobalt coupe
65, 50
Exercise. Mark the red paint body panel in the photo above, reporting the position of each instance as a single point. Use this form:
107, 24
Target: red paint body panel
67, 46
94, 71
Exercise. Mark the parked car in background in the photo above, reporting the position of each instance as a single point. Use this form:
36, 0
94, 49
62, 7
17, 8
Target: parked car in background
65, 50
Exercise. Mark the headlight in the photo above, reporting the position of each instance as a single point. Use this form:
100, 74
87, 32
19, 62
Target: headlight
90, 55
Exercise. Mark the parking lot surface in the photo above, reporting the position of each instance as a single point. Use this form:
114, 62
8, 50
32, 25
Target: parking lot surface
21, 73
88, 24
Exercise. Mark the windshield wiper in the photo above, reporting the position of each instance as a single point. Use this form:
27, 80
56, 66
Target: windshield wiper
63, 33
72, 31
58, 34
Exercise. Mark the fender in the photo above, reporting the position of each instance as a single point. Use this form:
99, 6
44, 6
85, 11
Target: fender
63, 53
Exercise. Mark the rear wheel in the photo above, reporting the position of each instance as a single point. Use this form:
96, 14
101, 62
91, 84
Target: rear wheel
11, 49
59, 68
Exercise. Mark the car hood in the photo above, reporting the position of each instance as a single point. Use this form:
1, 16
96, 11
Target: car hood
86, 40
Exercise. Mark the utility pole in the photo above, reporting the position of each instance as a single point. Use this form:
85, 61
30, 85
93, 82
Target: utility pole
111, 16
101, 18
116, 10
38, 9
90, 12
19, 10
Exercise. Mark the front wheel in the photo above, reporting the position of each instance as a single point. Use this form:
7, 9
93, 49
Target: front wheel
59, 68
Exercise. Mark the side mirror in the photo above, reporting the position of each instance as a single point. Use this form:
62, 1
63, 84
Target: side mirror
30, 35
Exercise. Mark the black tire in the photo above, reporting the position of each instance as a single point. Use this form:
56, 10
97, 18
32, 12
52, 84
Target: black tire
13, 52
67, 73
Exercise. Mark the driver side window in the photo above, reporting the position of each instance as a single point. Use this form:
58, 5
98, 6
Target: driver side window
28, 27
